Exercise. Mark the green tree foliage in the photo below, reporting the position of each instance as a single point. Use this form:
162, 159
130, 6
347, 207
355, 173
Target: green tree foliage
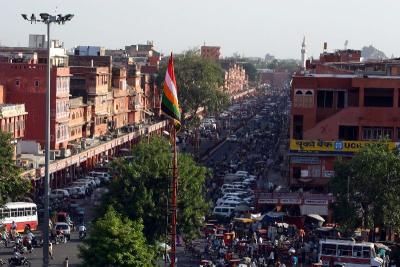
199, 81
140, 190
367, 188
289, 65
12, 186
251, 71
116, 241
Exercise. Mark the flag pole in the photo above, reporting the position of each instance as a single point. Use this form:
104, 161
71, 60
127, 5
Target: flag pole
174, 195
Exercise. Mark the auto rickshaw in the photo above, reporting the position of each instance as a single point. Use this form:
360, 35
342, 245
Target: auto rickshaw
80, 217
242, 225
64, 217
228, 238
234, 262
205, 263
221, 230
209, 229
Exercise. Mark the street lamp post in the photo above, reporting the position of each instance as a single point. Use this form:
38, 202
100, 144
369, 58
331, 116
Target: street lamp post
47, 19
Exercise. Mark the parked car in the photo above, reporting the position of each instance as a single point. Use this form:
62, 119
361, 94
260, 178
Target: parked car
84, 184
230, 203
223, 211
76, 191
220, 201
95, 179
103, 176
59, 194
91, 182
232, 138
72, 191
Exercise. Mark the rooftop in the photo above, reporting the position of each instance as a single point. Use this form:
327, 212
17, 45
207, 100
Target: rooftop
348, 76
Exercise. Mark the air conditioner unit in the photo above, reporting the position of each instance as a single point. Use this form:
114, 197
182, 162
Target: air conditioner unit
65, 153
53, 154
83, 144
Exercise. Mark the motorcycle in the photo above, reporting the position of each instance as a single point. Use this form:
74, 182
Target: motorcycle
60, 238
27, 244
37, 243
18, 260
82, 235
21, 249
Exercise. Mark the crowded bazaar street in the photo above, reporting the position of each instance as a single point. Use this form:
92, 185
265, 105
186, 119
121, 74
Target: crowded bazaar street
256, 218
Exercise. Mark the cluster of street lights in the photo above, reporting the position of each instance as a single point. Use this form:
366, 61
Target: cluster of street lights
47, 19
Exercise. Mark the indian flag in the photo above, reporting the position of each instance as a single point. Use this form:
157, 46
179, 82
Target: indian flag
169, 102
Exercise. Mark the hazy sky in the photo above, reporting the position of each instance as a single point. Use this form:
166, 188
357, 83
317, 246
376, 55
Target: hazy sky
250, 27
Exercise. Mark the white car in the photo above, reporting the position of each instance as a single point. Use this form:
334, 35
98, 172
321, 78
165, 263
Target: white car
91, 182
103, 176
223, 211
242, 174
63, 228
220, 201
72, 191
240, 195
59, 194
230, 203
232, 138
84, 184
76, 191
95, 179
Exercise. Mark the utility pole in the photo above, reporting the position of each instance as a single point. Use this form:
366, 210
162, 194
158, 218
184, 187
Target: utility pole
174, 195
47, 19
348, 189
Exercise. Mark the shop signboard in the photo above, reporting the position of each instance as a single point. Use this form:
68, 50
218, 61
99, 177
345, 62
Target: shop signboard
336, 147
268, 201
316, 202
290, 201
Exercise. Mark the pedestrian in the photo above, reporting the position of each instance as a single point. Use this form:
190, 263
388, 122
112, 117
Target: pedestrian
271, 258
65, 264
51, 250
302, 234
13, 225
295, 260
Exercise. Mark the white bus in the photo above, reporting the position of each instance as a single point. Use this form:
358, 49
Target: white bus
351, 253
22, 213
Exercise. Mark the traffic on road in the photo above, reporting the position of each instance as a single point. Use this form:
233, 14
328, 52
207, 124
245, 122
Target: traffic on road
71, 211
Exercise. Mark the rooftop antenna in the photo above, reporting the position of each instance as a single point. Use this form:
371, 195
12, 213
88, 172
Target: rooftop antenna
345, 44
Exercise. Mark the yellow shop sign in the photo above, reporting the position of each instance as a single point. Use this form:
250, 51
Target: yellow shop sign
332, 146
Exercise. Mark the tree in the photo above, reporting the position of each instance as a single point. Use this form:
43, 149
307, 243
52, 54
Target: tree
140, 190
289, 65
251, 71
116, 241
199, 81
12, 185
367, 188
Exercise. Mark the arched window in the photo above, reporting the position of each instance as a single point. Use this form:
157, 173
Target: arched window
299, 92
309, 92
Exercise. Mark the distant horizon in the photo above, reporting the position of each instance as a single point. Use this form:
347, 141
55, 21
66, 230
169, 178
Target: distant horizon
70, 49
254, 30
